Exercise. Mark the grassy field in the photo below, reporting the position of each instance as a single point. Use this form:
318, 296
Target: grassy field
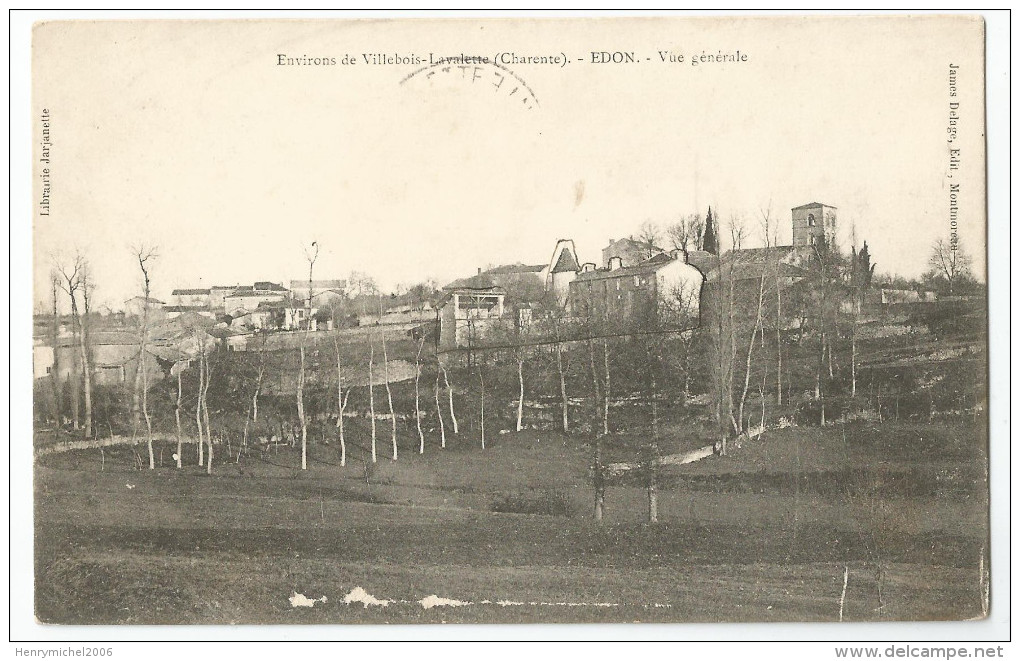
764, 534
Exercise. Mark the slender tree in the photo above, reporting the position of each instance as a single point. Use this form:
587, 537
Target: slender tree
55, 345
561, 371
341, 402
949, 262
417, 396
710, 242
439, 412
449, 392
205, 409
371, 393
389, 393
179, 368
75, 280
144, 255
311, 254
758, 318
201, 392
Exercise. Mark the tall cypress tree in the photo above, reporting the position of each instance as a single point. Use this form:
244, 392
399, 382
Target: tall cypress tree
711, 240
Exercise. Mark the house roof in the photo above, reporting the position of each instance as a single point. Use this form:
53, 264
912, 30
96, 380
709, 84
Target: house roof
749, 263
480, 282
702, 260
650, 265
268, 286
566, 262
318, 284
812, 205
272, 305
189, 292
634, 244
142, 298
243, 290
507, 269
186, 308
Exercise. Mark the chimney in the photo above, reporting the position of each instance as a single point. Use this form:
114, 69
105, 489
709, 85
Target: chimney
479, 270
612, 241
615, 263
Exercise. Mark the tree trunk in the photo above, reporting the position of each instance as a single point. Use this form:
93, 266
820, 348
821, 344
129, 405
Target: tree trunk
55, 368
198, 405
687, 368
341, 404
389, 395
417, 398
209, 455
371, 395
177, 416
205, 412
439, 414
651, 475
605, 408
520, 396
747, 381
596, 390
481, 417
301, 408
779, 343
145, 412
449, 391
86, 372
853, 357
599, 481
564, 402
821, 366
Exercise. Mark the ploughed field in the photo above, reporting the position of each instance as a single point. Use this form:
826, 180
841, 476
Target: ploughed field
506, 534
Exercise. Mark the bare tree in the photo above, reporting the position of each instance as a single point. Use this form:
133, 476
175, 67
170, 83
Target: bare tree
949, 262
439, 411
449, 392
144, 255
605, 388
341, 402
75, 280
389, 393
561, 371
417, 396
311, 254
179, 367
520, 341
599, 480
648, 235
201, 392
686, 234
481, 391
723, 332
758, 320
371, 393
55, 344
253, 408
205, 407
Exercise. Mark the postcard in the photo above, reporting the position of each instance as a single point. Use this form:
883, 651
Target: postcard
510, 320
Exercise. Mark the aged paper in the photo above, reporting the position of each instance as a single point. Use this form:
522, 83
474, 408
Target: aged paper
671, 319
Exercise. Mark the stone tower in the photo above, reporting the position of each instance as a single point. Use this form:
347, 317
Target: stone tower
813, 223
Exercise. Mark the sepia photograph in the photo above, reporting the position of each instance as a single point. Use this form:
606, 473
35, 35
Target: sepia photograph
671, 319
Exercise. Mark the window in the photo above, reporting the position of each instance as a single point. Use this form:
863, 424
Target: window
811, 220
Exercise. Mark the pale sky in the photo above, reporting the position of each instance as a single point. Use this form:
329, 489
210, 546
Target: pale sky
189, 136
